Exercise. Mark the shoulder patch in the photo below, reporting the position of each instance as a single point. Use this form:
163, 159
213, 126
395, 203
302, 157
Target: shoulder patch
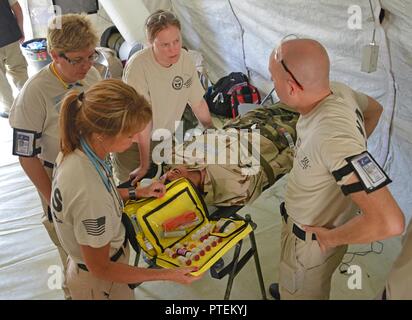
95, 227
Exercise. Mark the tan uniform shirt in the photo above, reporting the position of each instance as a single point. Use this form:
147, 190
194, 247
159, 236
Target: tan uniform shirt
36, 109
167, 89
84, 212
12, 2
326, 136
399, 284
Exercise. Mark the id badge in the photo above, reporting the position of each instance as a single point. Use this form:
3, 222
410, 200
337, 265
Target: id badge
24, 143
368, 170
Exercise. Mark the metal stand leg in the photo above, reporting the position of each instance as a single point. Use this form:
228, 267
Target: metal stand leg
248, 218
237, 263
257, 263
234, 270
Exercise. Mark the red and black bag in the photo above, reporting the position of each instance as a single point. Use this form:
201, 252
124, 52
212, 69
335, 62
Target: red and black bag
224, 97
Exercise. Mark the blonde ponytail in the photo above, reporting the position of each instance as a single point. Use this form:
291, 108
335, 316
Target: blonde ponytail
69, 134
109, 107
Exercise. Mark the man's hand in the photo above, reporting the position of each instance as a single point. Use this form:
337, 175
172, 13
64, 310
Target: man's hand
321, 236
138, 174
156, 189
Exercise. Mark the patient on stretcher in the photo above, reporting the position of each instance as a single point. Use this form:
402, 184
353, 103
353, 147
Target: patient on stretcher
249, 164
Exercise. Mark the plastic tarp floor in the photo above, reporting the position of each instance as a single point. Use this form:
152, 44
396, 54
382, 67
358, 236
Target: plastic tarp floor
28, 259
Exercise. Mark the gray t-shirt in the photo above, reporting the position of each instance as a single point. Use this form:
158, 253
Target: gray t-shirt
167, 89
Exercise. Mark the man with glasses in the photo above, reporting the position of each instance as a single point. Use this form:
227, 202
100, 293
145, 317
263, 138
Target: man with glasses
333, 176
71, 43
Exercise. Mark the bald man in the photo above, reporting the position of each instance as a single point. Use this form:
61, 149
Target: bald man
333, 175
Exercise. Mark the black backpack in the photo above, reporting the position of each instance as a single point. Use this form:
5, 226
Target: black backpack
224, 97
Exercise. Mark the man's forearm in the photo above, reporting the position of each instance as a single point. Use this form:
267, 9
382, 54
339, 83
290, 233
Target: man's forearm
381, 218
358, 230
372, 115
19, 15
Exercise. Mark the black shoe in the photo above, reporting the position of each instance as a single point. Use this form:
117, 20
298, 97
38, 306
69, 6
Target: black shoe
274, 291
4, 114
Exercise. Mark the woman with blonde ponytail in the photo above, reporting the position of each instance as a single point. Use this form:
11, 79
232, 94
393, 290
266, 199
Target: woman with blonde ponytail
86, 205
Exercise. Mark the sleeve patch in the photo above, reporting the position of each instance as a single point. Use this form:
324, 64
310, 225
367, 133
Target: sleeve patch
95, 227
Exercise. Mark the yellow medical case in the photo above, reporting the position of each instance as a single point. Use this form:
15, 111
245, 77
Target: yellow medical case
175, 230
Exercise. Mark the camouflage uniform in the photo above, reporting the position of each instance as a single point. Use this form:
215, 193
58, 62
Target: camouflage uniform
228, 184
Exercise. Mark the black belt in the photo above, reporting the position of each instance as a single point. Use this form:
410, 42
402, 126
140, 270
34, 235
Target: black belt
48, 164
114, 258
301, 234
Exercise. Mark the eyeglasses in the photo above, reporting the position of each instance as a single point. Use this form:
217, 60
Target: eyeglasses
76, 62
282, 62
161, 17
279, 58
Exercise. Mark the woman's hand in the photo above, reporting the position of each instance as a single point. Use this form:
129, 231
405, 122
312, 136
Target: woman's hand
183, 276
156, 189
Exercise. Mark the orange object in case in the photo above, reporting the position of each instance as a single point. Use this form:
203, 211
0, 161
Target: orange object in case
185, 218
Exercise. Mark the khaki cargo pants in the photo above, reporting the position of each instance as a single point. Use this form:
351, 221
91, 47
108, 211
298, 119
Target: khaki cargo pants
84, 286
12, 62
305, 272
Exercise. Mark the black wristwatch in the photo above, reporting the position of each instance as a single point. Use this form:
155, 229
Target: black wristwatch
132, 193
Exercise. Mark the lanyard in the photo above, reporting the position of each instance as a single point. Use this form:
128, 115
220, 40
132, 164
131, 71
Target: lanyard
103, 168
64, 83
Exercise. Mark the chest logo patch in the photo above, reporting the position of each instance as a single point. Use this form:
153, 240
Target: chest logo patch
305, 163
177, 83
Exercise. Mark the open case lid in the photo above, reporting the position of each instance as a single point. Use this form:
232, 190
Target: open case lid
181, 196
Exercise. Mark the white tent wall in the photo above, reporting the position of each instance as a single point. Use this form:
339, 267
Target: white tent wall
398, 27
217, 27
